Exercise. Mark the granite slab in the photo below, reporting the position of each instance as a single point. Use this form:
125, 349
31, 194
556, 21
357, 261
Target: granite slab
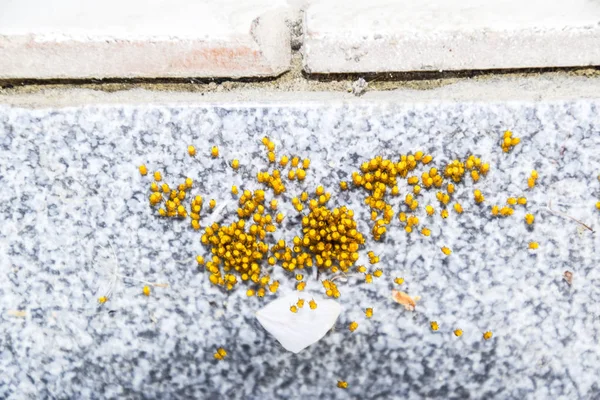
71, 190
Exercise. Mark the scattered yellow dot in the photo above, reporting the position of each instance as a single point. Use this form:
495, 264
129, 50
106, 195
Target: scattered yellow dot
300, 303
220, 353
458, 332
146, 290
234, 190
369, 312
312, 304
458, 208
143, 170
235, 164
478, 196
529, 218
487, 335
377, 273
430, 210
157, 176
534, 245
214, 152
294, 309
284, 160
300, 174
598, 205
444, 214
102, 299
212, 203
353, 325
250, 292
425, 231
446, 251
434, 325
273, 287
342, 384
191, 150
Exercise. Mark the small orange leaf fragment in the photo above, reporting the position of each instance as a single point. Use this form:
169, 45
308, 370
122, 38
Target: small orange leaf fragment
407, 301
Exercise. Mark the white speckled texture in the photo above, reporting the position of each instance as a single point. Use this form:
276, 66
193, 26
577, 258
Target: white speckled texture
70, 185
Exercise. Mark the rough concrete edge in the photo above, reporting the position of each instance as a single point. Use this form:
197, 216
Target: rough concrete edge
273, 38
498, 90
306, 44
325, 53
268, 36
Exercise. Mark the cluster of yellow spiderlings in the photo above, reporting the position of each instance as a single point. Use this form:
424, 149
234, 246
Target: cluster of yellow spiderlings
331, 289
240, 246
508, 141
377, 176
332, 236
172, 198
330, 239
411, 221
456, 169
508, 209
274, 179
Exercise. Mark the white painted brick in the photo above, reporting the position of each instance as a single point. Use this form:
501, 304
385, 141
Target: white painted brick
73, 39
433, 35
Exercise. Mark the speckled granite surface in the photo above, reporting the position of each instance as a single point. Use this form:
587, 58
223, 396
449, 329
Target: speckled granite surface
70, 186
